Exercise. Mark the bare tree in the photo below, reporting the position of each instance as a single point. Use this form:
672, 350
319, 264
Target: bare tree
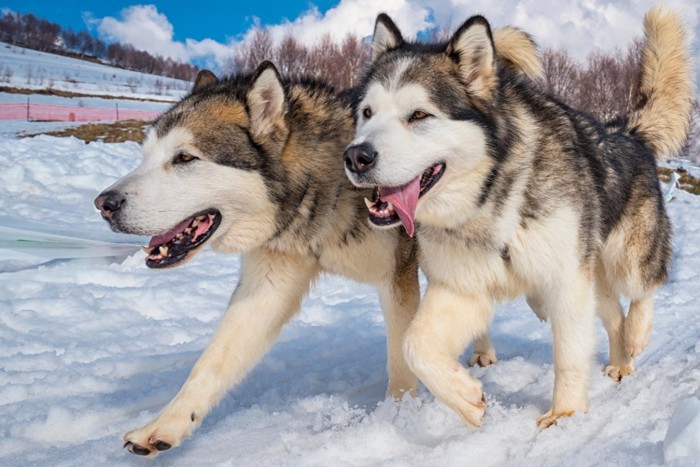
606, 85
338, 64
258, 50
291, 57
354, 56
561, 76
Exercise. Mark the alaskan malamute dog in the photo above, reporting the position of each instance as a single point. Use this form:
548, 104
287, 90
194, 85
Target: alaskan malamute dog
511, 192
254, 165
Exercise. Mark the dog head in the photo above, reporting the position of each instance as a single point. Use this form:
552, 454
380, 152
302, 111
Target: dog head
203, 174
424, 114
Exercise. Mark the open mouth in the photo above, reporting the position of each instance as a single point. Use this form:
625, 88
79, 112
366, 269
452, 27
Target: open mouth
390, 206
174, 246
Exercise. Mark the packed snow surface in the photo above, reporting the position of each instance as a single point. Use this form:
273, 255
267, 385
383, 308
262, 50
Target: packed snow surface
93, 348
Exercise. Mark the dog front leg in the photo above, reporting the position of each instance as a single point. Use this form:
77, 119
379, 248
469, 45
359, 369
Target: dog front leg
269, 292
399, 299
445, 323
572, 308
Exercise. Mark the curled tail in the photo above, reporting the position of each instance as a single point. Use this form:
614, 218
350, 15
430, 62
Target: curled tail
519, 51
662, 116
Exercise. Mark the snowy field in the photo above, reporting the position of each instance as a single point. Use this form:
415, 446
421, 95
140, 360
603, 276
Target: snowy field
94, 347
31, 69
95, 102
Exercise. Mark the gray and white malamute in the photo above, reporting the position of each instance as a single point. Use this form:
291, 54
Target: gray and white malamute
254, 165
513, 193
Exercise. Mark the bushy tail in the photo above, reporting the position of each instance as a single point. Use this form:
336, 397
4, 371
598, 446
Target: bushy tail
519, 51
662, 116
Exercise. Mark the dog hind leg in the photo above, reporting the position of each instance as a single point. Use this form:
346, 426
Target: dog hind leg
483, 353
610, 312
638, 324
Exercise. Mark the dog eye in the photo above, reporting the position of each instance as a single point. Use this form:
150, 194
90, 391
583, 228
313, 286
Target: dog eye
419, 115
367, 113
183, 158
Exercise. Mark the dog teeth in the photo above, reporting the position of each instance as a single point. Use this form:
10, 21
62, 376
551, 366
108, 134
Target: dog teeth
389, 207
148, 250
369, 204
163, 250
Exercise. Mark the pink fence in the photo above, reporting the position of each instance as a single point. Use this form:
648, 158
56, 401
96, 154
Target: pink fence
58, 113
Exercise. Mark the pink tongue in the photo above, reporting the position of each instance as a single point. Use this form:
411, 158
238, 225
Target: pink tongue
165, 238
404, 199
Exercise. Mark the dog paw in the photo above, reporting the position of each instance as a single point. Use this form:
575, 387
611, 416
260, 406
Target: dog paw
469, 402
617, 372
473, 412
550, 418
159, 435
483, 359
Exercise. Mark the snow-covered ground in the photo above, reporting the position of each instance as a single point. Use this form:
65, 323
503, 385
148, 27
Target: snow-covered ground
31, 69
93, 348
94, 102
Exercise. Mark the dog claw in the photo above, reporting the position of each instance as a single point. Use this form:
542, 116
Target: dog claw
136, 449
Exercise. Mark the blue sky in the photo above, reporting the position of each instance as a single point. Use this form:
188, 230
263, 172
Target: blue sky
211, 33
215, 19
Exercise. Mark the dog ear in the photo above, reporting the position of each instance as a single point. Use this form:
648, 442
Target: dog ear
472, 48
267, 102
386, 36
204, 78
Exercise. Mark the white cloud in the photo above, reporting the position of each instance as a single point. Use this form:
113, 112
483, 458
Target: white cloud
146, 29
352, 17
578, 26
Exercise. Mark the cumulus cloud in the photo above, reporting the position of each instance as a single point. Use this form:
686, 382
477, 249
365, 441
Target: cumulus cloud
352, 17
576, 26
147, 29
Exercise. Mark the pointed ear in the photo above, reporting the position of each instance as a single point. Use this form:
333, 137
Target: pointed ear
204, 78
386, 36
472, 48
267, 102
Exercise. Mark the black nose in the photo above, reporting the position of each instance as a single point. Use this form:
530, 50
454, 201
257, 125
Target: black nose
360, 158
109, 203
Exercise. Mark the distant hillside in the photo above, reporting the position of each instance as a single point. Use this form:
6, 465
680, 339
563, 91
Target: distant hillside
26, 30
31, 69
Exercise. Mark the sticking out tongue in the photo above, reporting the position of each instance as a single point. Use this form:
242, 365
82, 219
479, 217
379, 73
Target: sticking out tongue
404, 198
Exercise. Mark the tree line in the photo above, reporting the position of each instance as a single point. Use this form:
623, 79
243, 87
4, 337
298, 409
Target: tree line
604, 85
339, 64
29, 31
